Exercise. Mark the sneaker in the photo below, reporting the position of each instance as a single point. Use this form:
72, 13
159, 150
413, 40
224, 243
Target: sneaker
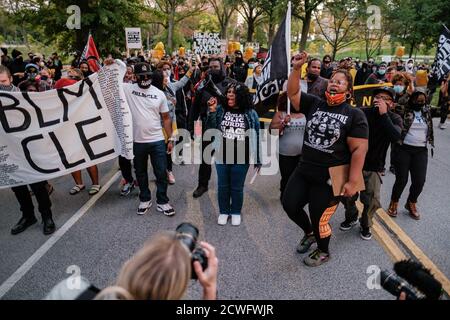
347, 225
443, 125
127, 188
235, 219
223, 219
199, 191
392, 169
316, 258
166, 209
365, 234
170, 177
306, 243
143, 207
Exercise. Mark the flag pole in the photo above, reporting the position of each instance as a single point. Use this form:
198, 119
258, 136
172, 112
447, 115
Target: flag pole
288, 49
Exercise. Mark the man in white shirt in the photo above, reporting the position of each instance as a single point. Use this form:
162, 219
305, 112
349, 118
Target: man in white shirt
148, 104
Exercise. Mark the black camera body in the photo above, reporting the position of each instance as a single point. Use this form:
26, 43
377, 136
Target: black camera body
187, 233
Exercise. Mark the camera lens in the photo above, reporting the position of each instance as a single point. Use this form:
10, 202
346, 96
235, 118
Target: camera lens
188, 234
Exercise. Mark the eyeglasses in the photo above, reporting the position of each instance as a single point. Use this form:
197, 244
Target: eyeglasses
338, 82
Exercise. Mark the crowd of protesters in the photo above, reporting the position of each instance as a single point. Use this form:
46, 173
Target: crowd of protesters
320, 132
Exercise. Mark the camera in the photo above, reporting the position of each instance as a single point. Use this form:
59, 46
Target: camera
413, 279
187, 233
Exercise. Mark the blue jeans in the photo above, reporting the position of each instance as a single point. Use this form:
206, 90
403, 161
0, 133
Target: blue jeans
231, 178
157, 152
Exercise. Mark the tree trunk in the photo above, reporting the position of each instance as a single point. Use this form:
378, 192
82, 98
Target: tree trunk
305, 30
271, 32
411, 50
223, 29
334, 51
250, 30
170, 30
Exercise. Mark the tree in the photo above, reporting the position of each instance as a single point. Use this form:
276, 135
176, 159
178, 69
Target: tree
272, 9
169, 13
252, 12
338, 23
303, 10
224, 10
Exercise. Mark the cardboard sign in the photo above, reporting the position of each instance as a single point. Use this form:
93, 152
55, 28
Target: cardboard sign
133, 38
207, 43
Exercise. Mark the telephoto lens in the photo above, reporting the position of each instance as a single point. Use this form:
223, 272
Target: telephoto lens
393, 284
187, 233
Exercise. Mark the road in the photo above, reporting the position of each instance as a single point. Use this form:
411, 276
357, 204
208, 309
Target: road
257, 260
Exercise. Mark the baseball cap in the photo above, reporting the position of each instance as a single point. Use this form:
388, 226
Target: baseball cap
389, 90
142, 68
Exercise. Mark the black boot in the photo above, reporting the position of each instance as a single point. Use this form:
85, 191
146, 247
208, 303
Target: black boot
23, 224
49, 225
200, 191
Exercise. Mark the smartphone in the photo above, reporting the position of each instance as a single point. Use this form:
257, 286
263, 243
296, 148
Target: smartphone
194, 62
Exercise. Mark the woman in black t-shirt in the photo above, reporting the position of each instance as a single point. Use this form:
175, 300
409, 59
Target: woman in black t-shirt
336, 134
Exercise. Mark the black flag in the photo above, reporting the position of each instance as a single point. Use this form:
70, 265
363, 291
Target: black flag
275, 68
441, 65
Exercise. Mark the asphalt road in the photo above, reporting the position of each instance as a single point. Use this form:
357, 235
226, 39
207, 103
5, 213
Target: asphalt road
257, 259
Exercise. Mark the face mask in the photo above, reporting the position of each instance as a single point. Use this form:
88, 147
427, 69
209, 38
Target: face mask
417, 106
381, 72
334, 99
6, 88
251, 65
216, 75
144, 82
312, 76
399, 88
410, 65
168, 72
44, 78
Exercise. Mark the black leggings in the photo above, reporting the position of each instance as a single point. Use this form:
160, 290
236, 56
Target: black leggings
287, 166
308, 185
125, 168
444, 112
414, 160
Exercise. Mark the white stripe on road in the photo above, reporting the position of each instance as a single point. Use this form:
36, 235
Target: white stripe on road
23, 269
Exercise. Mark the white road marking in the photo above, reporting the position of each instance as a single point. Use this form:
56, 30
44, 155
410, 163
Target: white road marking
24, 268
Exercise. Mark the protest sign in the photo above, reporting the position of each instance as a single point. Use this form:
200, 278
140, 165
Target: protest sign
44, 135
207, 43
133, 38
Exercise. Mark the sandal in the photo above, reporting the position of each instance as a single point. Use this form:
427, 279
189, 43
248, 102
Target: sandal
95, 188
76, 189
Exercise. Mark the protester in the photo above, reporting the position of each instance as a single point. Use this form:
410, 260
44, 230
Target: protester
326, 69
412, 154
291, 128
390, 73
215, 75
239, 67
161, 270
129, 75
316, 85
39, 189
256, 78
444, 102
85, 68
233, 117
148, 104
17, 67
57, 66
75, 75
379, 76
362, 74
336, 134
384, 127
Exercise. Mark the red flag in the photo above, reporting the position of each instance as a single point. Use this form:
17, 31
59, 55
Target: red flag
90, 53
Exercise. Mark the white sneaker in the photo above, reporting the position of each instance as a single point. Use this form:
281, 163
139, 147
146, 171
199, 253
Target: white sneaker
443, 125
223, 219
166, 209
143, 207
170, 177
235, 219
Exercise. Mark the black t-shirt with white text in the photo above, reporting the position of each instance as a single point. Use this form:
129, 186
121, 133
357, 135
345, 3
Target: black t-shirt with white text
233, 128
327, 130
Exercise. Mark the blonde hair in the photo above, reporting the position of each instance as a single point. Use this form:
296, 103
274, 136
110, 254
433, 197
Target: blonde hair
161, 270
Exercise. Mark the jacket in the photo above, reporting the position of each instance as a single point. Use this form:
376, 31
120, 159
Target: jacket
214, 119
408, 119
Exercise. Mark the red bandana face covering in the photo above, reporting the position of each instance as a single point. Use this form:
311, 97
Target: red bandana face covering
334, 99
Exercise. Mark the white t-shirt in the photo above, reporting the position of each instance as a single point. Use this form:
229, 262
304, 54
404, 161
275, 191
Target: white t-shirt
417, 133
146, 105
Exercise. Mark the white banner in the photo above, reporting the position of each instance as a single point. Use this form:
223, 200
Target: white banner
207, 43
44, 135
133, 38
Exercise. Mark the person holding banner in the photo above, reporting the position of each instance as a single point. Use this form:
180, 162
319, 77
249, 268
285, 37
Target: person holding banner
444, 101
234, 117
379, 76
22, 193
336, 141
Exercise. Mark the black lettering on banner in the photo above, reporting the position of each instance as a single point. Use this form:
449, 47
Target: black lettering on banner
3, 119
87, 141
26, 151
62, 154
65, 104
40, 117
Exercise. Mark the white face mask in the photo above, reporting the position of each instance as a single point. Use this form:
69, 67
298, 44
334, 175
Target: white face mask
410, 65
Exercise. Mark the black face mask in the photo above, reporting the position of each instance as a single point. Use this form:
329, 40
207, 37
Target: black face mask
216, 75
312, 76
144, 82
44, 78
417, 106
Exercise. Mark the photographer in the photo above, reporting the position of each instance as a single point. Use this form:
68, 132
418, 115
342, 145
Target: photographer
161, 270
